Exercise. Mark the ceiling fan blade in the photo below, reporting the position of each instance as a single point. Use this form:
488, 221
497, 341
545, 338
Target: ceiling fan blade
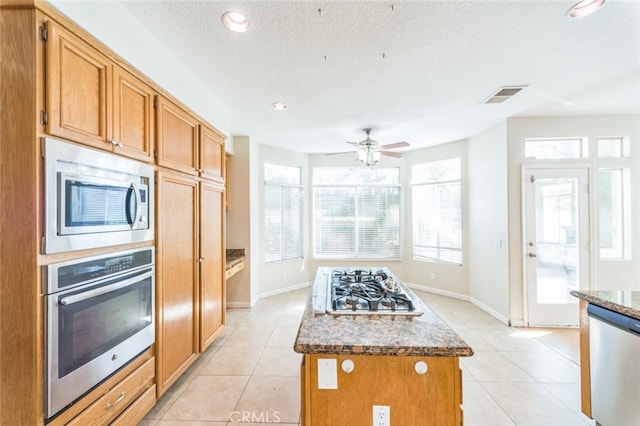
391, 154
395, 145
354, 143
338, 153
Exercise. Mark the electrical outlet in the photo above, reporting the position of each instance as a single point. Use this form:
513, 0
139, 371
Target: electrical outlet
433, 276
381, 415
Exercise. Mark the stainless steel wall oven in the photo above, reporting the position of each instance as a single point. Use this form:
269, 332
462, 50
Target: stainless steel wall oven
99, 316
94, 199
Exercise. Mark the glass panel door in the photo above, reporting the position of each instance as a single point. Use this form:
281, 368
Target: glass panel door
556, 244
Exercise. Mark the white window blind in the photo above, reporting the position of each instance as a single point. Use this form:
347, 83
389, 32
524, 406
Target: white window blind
284, 206
356, 213
437, 211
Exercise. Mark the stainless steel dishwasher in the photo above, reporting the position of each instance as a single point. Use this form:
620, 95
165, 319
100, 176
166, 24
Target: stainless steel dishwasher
614, 341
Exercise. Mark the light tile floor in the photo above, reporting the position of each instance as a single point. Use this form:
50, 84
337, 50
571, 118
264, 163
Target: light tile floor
251, 375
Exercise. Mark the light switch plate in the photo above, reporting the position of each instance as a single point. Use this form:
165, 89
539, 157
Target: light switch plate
327, 373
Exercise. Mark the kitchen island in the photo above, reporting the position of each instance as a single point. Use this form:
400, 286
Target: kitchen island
356, 362
618, 369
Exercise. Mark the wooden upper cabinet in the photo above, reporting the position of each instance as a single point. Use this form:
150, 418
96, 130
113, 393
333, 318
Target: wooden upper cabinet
133, 130
78, 89
177, 138
92, 101
211, 154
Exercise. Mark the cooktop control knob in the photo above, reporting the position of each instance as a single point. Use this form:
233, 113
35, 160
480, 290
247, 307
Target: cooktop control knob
347, 366
421, 367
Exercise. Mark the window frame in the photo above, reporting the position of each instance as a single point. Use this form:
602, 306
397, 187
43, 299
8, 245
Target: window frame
282, 237
416, 184
358, 246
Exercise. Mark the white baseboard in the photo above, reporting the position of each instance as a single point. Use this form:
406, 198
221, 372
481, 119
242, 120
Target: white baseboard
244, 305
283, 290
238, 305
439, 291
497, 315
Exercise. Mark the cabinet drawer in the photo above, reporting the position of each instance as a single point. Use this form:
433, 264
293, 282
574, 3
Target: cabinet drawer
138, 409
234, 270
111, 404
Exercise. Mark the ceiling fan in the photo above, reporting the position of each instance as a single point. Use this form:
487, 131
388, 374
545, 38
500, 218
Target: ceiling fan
369, 152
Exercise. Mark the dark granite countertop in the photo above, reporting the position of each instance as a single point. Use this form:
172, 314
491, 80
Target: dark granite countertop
623, 302
425, 335
234, 256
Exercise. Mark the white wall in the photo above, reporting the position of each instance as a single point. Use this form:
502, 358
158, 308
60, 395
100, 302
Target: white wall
606, 275
488, 220
238, 230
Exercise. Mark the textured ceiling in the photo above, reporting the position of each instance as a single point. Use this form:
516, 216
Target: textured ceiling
417, 71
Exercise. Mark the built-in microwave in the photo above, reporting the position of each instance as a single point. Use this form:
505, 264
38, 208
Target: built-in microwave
94, 199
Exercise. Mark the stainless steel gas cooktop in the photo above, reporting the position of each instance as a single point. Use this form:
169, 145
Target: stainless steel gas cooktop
359, 291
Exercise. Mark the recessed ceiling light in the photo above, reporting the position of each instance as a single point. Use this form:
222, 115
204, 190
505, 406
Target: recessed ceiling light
584, 8
279, 106
236, 21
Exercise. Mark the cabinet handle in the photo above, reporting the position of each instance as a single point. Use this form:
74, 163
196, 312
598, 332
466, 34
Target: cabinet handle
117, 401
202, 259
116, 143
202, 171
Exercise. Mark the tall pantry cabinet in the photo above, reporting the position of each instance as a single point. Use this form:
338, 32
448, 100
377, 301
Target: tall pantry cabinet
59, 81
190, 244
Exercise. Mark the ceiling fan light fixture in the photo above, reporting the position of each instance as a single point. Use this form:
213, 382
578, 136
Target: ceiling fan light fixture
584, 8
279, 106
369, 156
236, 21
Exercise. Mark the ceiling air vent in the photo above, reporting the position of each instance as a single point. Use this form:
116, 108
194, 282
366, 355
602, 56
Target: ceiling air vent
503, 94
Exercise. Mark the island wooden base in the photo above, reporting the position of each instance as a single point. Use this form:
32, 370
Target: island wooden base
433, 398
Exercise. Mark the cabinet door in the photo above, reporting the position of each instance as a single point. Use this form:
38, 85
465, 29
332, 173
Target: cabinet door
177, 138
212, 279
177, 277
211, 154
227, 197
78, 90
133, 132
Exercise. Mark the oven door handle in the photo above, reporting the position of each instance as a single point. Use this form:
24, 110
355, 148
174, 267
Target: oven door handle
75, 298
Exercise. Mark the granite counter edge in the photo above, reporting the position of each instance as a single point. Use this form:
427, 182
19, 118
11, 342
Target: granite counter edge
607, 304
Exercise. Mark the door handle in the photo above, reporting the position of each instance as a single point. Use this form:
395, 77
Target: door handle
533, 255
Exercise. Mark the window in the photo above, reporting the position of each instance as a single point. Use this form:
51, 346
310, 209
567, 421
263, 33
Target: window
556, 149
614, 213
356, 213
283, 205
613, 147
437, 211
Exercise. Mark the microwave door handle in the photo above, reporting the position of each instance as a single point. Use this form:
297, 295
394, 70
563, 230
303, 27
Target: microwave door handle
75, 298
136, 192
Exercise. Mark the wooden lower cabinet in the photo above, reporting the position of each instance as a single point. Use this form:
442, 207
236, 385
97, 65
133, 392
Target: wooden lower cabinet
114, 402
190, 285
136, 411
177, 275
212, 271
585, 360
128, 394
433, 398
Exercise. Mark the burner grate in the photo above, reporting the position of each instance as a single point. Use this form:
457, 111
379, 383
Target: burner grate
362, 291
